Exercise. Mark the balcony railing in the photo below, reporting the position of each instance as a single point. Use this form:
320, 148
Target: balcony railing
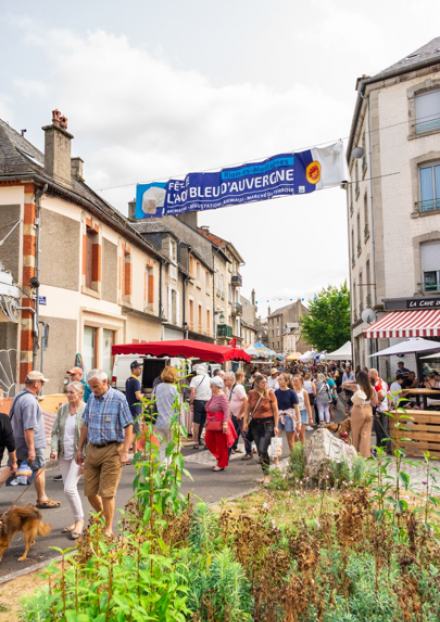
220, 293
366, 233
432, 205
428, 287
223, 330
359, 249
237, 308
236, 279
364, 163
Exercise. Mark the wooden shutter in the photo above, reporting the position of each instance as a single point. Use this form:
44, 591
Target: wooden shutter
151, 288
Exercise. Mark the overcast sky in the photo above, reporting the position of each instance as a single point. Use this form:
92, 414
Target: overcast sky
156, 89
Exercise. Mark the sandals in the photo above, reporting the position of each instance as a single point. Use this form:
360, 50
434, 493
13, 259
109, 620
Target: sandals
48, 505
76, 535
68, 530
217, 469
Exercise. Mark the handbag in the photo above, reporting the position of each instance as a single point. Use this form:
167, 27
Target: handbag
214, 425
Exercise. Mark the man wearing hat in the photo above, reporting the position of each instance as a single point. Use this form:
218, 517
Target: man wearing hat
272, 381
133, 394
29, 433
77, 375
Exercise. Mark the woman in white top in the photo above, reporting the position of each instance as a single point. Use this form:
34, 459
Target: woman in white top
64, 445
305, 407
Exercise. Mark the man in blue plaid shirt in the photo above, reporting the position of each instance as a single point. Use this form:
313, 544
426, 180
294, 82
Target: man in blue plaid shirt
108, 430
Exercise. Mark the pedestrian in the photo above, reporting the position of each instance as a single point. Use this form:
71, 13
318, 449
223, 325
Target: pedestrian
237, 397
29, 434
220, 373
166, 407
381, 420
396, 390
66, 431
77, 375
364, 399
304, 406
401, 369
220, 433
323, 399
199, 396
133, 394
309, 386
261, 419
6, 442
333, 395
108, 428
289, 416
272, 380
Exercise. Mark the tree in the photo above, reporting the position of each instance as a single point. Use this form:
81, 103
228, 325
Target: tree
327, 325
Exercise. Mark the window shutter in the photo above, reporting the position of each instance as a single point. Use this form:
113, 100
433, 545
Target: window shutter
178, 308
170, 305
151, 288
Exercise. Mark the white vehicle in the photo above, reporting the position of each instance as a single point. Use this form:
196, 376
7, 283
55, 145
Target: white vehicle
152, 368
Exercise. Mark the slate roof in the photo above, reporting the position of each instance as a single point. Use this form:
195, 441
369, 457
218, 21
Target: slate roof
428, 51
19, 157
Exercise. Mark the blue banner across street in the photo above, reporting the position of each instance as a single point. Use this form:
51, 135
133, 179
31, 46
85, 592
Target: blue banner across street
280, 175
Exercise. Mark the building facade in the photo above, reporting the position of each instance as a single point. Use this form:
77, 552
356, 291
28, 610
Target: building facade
75, 259
249, 322
393, 200
284, 329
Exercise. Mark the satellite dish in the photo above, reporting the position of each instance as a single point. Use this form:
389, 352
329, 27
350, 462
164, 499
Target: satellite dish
368, 316
357, 153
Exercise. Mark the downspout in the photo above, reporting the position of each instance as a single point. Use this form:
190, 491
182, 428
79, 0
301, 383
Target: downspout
36, 315
373, 241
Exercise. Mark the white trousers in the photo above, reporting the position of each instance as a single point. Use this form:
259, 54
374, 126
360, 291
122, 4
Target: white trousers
164, 437
70, 472
323, 412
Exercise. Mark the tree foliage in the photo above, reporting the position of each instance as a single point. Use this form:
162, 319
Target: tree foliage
327, 326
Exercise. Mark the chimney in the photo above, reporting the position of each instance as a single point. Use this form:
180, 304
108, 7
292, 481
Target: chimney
268, 311
76, 168
57, 161
132, 210
253, 297
189, 218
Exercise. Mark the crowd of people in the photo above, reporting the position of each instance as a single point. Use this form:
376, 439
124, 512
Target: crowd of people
95, 429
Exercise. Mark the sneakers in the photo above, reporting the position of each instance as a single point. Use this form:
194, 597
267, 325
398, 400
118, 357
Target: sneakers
57, 478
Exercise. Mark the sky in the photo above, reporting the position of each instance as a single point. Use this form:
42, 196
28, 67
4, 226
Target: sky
154, 90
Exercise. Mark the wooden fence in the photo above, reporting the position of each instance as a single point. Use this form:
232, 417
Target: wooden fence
423, 429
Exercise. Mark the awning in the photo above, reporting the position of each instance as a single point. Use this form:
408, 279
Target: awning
185, 348
405, 324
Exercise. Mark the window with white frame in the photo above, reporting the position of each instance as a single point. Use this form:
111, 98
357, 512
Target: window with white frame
427, 112
429, 176
430, 253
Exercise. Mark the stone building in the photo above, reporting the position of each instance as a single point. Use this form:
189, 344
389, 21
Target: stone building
393, 203
284, 331
89, 279
249, 322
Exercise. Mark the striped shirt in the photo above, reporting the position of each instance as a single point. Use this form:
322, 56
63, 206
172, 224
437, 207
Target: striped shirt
218, 403
106, 417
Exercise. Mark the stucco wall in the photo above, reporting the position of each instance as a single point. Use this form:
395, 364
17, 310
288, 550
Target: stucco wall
10, 250
60, 355
60, 245
109, 271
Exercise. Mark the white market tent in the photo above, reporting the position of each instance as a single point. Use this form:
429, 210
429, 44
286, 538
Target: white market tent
308, 356
414, 345
344, 353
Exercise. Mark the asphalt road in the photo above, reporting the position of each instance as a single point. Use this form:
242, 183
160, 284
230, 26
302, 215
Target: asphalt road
238, 478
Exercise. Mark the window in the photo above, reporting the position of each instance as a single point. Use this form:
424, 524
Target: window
89, 349
107, 358
353, 302
92, 258
361, 294
427, 112
358, 225
207, 281
431, 266
364, 157
429, 188
198, 270
191, 265
368, 283
173, 251
356, 177
208, 322
352, 248
150, 288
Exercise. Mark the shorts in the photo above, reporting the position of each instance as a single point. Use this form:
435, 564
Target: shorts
288, 426
199, 412
36, 465
311, 398
304, 417
102, 470
137, 420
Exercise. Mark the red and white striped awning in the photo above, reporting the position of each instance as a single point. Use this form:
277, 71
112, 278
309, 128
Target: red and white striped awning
405, 324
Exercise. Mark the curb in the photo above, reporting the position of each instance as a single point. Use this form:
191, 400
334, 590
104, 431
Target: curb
25, 571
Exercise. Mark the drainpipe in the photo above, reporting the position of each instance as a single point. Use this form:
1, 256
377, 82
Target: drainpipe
36, 315
366, 98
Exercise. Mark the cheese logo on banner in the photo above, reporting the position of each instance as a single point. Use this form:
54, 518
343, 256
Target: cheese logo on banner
285, 174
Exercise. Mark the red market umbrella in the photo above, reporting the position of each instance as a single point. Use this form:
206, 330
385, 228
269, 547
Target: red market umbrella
185, 348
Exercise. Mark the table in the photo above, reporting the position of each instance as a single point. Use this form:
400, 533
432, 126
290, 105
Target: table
422, 430
424, 393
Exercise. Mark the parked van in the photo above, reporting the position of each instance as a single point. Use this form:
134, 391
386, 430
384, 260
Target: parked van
152, 368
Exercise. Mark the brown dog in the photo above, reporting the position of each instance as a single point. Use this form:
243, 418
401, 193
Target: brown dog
28, 520
337, 428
